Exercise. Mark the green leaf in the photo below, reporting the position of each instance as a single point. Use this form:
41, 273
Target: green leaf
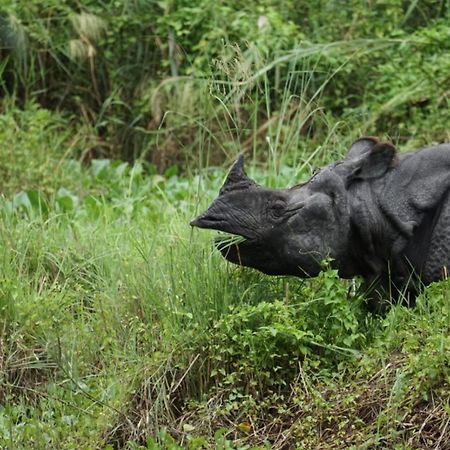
66, 200
99, 167
21, 200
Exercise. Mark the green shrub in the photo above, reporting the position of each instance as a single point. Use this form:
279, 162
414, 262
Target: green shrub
261, 345
35, 151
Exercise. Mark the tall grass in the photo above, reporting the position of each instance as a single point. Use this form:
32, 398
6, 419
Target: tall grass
119, 321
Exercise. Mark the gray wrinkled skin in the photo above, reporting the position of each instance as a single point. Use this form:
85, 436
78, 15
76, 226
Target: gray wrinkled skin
383, 216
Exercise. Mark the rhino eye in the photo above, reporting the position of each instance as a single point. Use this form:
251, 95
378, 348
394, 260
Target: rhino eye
278, 207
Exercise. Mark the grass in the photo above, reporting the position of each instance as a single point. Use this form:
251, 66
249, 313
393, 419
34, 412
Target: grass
120, 324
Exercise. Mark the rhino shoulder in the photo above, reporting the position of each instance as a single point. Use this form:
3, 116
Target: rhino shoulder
417, 184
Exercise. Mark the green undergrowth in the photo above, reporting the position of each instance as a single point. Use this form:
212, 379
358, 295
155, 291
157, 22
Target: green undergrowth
121, 327
36, 145
141, 76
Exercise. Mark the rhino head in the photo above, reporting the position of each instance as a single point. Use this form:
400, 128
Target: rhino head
291, 231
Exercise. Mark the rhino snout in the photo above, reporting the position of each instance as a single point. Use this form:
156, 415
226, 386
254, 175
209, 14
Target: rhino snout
205, 221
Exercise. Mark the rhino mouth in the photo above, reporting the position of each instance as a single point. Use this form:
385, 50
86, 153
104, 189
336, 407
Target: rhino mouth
207, 221
235, 248
228, 233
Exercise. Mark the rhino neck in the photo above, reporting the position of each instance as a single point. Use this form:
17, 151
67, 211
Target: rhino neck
372, 235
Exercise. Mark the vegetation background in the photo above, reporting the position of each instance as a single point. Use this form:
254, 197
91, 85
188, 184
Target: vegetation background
122, 328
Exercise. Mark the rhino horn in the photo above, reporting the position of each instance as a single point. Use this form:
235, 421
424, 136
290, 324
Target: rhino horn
237, 179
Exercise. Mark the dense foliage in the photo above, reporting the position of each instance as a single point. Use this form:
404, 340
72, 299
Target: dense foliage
161, 79
120, 327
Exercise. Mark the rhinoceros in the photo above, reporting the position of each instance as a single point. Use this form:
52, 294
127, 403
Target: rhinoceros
377, 214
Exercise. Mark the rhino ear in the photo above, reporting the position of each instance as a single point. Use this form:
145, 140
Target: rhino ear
373, 163
361, 146
237, 178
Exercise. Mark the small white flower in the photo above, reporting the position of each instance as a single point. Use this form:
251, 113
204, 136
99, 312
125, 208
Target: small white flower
263, 22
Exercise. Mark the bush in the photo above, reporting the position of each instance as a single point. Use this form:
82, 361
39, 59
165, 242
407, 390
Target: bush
36, 146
